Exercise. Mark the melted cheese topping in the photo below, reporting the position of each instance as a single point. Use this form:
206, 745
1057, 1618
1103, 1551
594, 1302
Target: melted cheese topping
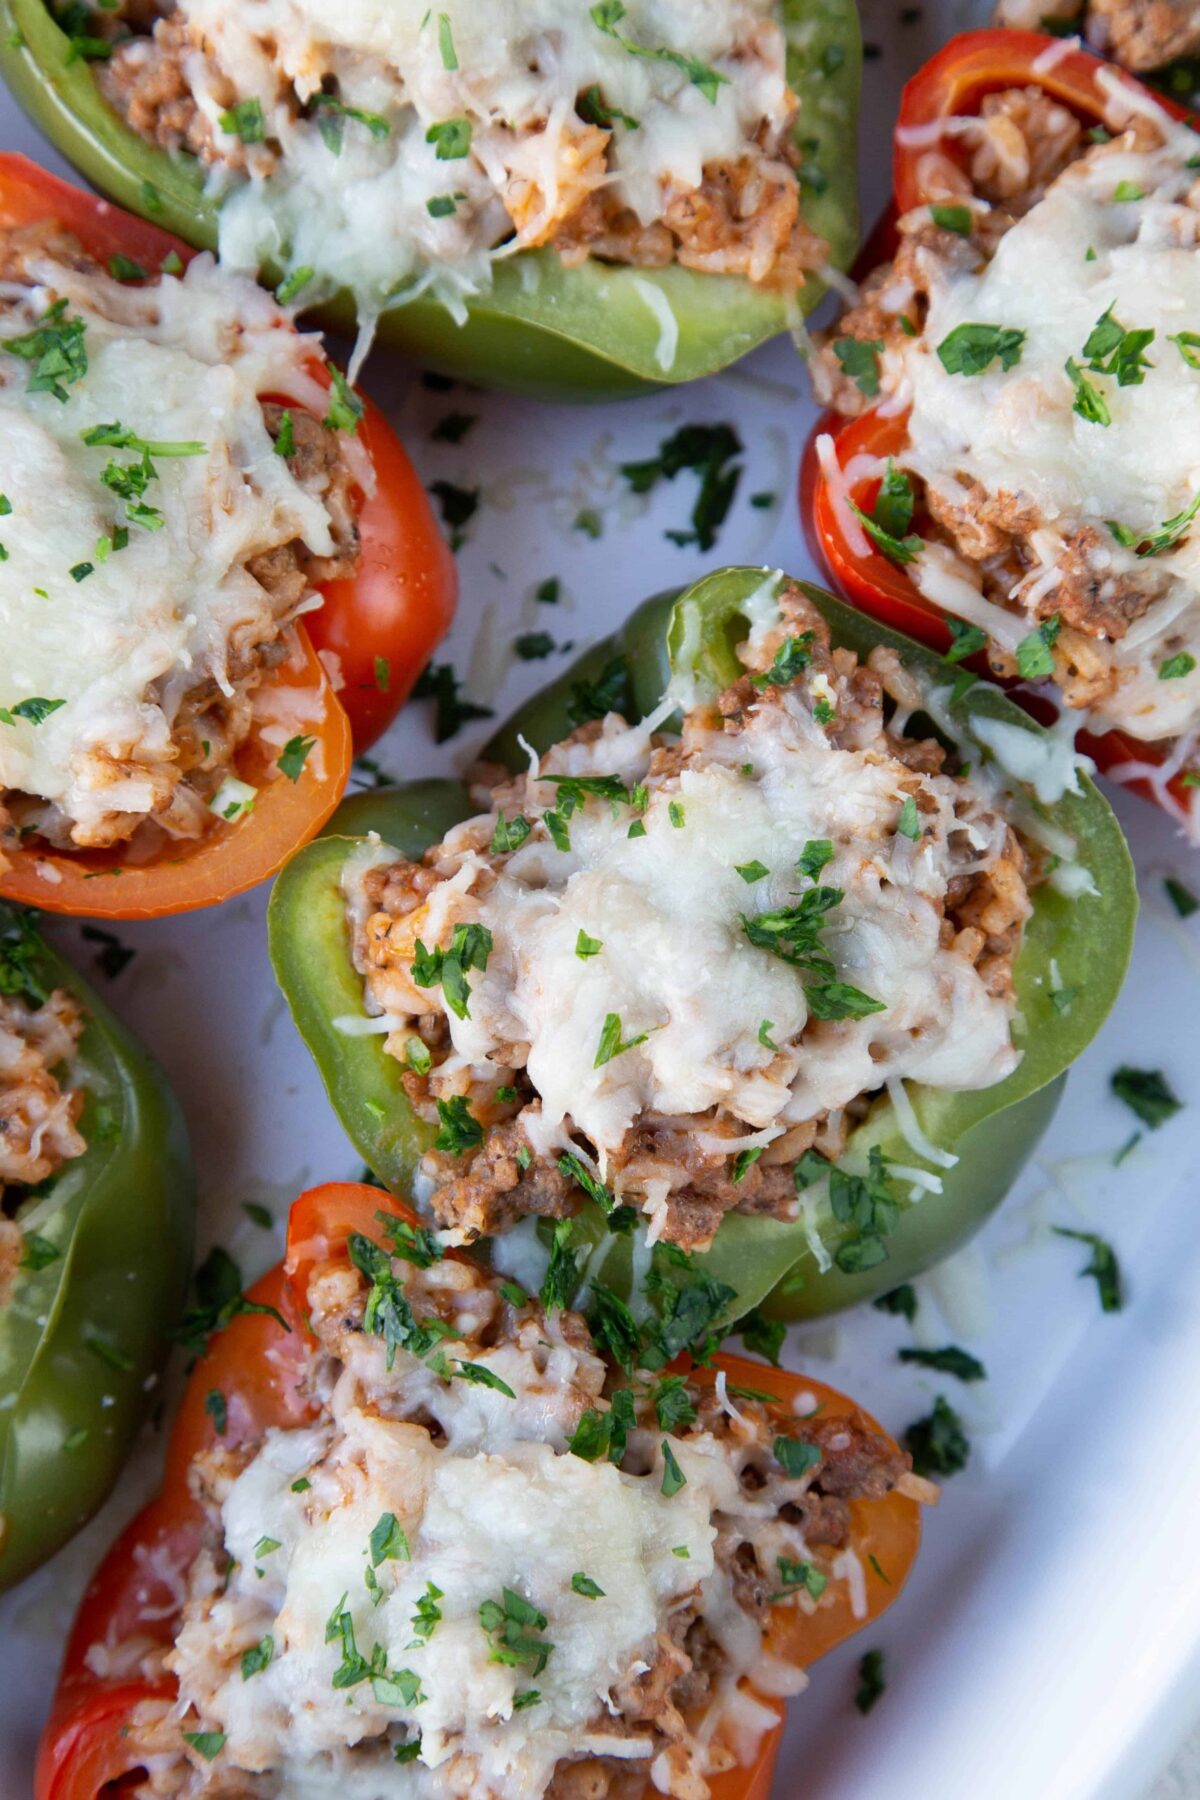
675, 964
387, 216
1078, 254
184, 361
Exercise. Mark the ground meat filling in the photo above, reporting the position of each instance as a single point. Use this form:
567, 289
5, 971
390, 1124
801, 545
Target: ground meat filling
687, 1169
177, 773
39, 1111
1102, 605
781, 1541
743, 217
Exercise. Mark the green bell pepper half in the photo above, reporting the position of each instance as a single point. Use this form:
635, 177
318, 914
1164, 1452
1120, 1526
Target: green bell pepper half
992, 1131
586, 333
85, 1330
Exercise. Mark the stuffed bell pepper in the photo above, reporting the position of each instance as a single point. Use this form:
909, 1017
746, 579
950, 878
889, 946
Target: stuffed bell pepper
765, 936
1011, 467
575, 200
425, 1533
96, 1196
216, 567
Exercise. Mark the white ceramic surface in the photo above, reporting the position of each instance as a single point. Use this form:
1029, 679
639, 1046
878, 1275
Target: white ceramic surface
1048, 1647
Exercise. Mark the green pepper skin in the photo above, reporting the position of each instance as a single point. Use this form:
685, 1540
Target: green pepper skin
587, 333
993, 1131
123, 1224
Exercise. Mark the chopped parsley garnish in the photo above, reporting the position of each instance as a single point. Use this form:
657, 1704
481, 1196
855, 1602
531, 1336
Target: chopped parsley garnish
816, 853
584, 1585
526, 1697
451, 139
417, 1056
743, 1162
673, 1404
888, 521
37, 1252
793, 656
219, 1298
595, 110
575, 1169
331, 115
302, 1485
482, 1376
1176, 666
458, 507
588, 520
952, 218
872, 1681
534, 646
388, 1314
610, 692
1147, 1093
1169, 534
795, 1457
265, 1545
55, 350
710, 452
859, 359
901, 1300
123, 268
1188, 345
971, 349
611, 1043
937, 1443
443, 206
293, 757
673, 1476
762, 1336
255, 1660
1034, 658
547, 592
797, 1577
603, 1434
968, 640
458, 1128
408, 1751
21, 951
293, 283
909, 823
676, 814
509, 834
752, 871
608, 14
1112, 350
511, 1625
217, 1410
586, 946
1090, 403
470, 947
793, 933
244, 120
285, 437
439, 683
1128, 190
427, 1617
1181, 897
766, 1027
388, 1541
1103, 1267
950, 1361
208, 1744
345, 407
35, 711
446, 42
